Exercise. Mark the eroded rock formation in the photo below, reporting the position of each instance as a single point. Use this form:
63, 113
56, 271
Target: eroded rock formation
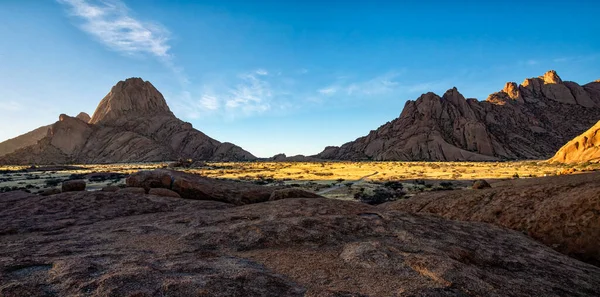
527, 121
131, 124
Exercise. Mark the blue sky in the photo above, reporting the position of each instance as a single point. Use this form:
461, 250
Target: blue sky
281, 76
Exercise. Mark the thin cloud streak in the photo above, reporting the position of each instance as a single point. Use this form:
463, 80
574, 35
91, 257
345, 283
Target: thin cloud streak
252, 94
110, 23
10, 106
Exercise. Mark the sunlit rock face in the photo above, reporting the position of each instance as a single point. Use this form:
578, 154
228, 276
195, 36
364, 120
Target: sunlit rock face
133, 123
583, 148
527, 121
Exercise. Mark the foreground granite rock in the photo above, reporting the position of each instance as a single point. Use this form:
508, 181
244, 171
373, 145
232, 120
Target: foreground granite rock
581, 149
132, 123
562, 211
528, 121
123, 244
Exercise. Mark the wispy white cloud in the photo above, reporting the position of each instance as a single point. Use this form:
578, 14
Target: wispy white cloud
383, 85
425, 87
532, 62
378, 85
261, 72
328, 90
576, 59
251, 95
10, 106
109, 21
209, 102
245, 95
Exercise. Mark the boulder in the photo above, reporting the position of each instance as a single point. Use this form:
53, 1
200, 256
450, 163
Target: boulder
480, 184
148, 179
292, 193
185, 163
163, 192
84, 117
73, 185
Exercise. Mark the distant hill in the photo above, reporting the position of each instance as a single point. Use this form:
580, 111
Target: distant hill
527, 121
21, 141
131, 124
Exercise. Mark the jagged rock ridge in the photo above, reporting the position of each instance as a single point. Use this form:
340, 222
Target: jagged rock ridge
583, 148
527, 121
131, 124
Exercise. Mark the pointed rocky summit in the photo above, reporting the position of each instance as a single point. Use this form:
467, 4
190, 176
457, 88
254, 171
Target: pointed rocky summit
132, 97
133, 123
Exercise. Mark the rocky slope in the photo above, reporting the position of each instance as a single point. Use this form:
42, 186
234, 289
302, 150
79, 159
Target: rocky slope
32, 137
583, 148
527, 121
561, 211
131, 124
21, 141
125, 244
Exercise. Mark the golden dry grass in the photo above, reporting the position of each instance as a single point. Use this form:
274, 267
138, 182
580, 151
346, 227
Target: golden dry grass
351, 171
379, 171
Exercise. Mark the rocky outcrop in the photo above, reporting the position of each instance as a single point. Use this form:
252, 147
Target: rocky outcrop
84, 117
563, 211
292, 193
583, 148
527, 121
193, 186
297, 158
123, 244
131, 124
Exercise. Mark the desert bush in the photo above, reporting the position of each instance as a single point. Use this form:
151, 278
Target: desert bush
322, 173
379, 196
53, 182
447, 185
394, 185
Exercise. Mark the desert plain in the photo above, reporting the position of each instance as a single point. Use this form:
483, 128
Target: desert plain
331, 179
